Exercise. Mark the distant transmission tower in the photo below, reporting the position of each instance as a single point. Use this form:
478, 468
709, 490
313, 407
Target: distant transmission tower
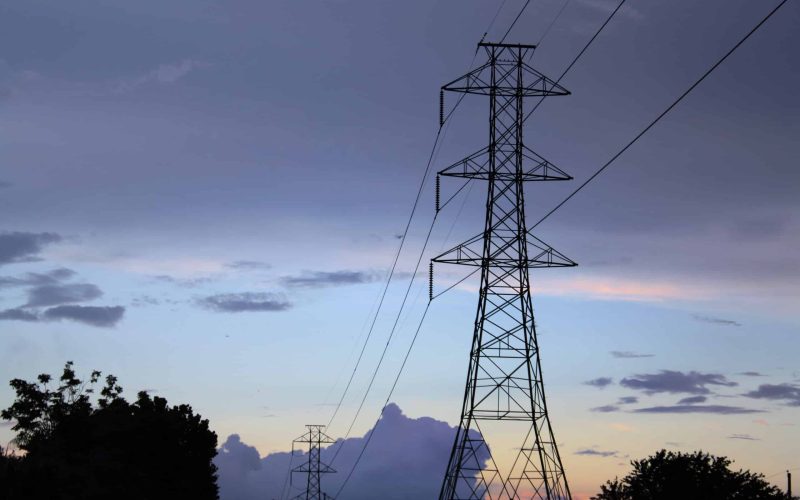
505, 390
314, 438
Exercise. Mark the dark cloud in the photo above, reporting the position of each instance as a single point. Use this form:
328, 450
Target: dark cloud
18, 315
245, 302
100, 316
752, 374
746, 437
600, 382
35, 279
630, 354
676, 382
691, 400
405, 459
596, 453
23, 247
53, 295
317, 279
5, 184
716, 409
716, 321
628, 400
605, 409
247, 265
790, 393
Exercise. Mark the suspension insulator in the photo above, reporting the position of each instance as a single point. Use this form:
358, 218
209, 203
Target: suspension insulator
430, 281
441, 108
438, 192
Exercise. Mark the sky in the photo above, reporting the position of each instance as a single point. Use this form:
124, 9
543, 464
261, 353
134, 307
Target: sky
204, 198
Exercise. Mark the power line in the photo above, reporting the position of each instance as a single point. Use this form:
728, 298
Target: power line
391, 273
527, 116
515, 20
389, 339
439, 135
640, 134
430, 230
389, 397
547, 30
636, 138
575, 60
660, 116
445, 120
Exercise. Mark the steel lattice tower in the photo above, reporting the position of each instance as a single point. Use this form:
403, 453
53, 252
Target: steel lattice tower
314, 438
504, 382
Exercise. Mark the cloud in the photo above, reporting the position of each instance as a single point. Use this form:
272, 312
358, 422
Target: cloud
405, 459
5, 184
790, 393
605, 409
164, 74
318, 279
34, 279
99, 316
185, 282
245, 302
614, 288
691, 400
630, 354
600, 382
247, 265
676, 382
716, 409
628, 400
18, 315
53, 295
596, 453
23, 247
752, 374
716, 321
746, 437
145, 300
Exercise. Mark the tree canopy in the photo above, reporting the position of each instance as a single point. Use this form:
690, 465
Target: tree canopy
667, 475
79, 444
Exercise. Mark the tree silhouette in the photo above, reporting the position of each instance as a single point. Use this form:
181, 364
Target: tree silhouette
689, 476
74, 448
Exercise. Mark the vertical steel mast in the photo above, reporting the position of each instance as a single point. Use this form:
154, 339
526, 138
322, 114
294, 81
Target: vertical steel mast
504, 381
314, 438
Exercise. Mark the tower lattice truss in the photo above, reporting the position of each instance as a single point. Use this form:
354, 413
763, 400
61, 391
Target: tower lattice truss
313, 468
504, 388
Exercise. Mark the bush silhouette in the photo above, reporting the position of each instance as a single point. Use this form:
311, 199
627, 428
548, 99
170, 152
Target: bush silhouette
77, 448
688, 476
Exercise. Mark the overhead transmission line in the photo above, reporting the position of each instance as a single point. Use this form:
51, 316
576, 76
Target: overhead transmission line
422, 319
535, 107
382, 295
628, 145
660, 116
442, 131
439, 135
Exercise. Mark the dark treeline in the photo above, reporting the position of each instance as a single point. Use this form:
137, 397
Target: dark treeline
667, 475
77, 443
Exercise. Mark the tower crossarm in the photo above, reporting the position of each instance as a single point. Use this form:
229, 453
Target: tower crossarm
477, 166
471, 253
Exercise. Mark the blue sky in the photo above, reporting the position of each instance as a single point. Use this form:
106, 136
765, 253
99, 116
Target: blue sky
185, 159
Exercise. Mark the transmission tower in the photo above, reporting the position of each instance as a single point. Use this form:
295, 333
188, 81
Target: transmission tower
504, 381
314, 438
